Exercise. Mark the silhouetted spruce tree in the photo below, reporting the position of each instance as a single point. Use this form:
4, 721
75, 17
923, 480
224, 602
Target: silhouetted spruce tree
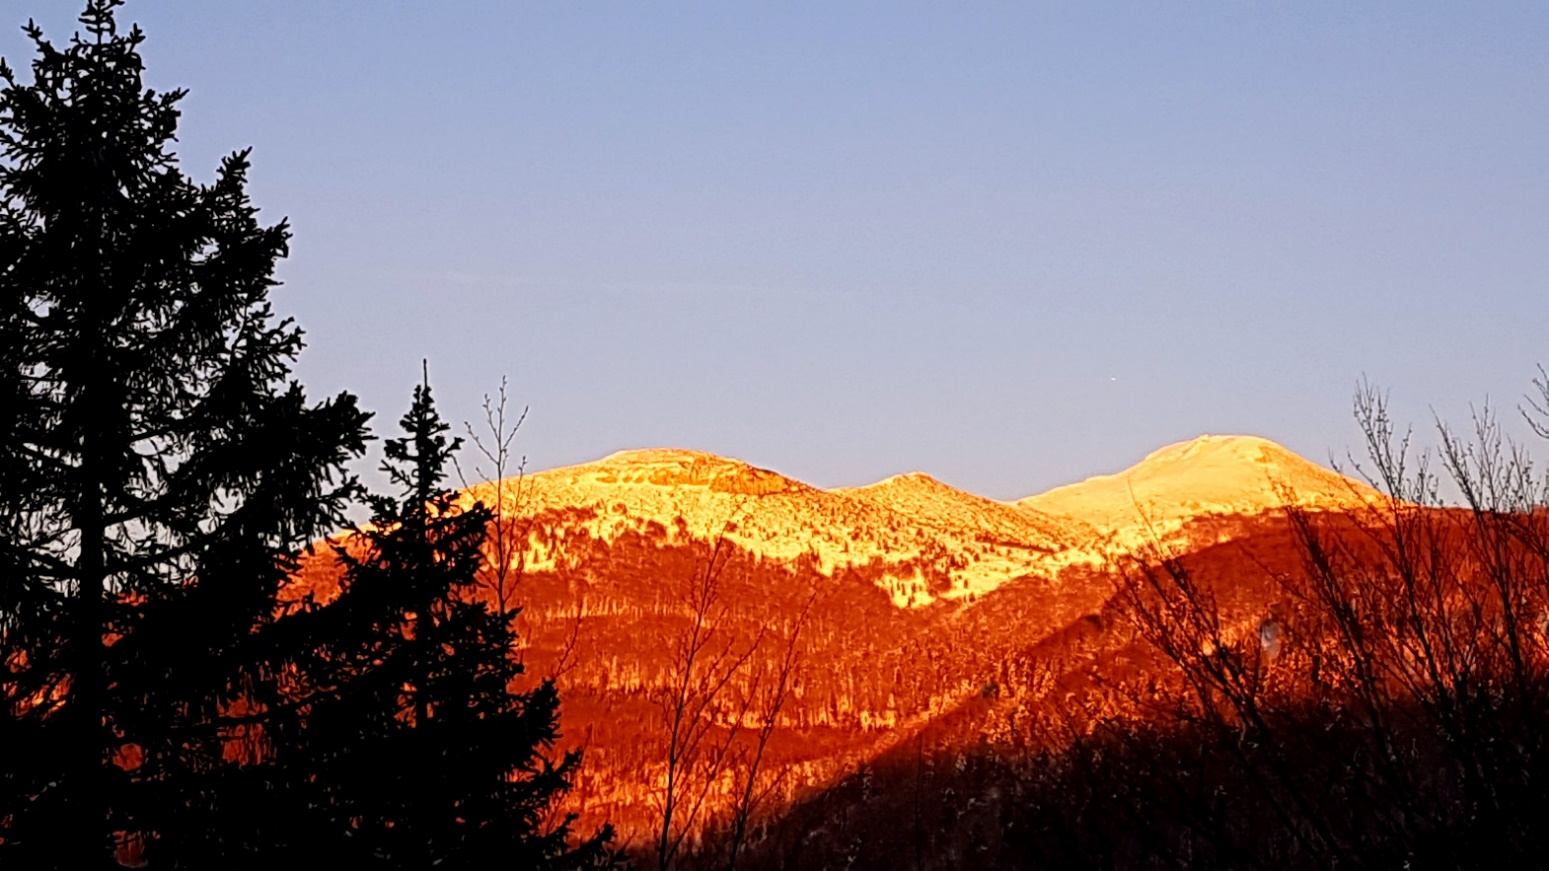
158, 474
417, 751
156, 462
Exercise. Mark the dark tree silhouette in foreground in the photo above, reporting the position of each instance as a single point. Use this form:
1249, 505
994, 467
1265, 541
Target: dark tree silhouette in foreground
415, 751
162, 695
157, 460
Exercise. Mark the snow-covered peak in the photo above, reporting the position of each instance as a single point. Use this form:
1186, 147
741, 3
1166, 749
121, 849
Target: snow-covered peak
911, 528
906, 481
663, 457
1222, 448
1211, 474
672, 467
905, 531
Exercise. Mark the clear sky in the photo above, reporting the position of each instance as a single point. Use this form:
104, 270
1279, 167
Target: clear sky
1008, 244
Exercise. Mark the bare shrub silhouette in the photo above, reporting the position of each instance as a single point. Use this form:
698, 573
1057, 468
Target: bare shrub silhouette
720, 706
1382, 703
505, 473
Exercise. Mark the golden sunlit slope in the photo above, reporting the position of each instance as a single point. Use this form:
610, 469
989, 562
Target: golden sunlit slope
931, 542
1232, 474
931, 502
1000, 541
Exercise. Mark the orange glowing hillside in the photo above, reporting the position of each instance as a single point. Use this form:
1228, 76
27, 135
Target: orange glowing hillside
907, 608
924, 539
900, 523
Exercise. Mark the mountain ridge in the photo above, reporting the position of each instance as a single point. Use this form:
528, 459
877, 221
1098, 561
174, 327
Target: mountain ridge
1207, 449
1208, 475
919, 605
930, 541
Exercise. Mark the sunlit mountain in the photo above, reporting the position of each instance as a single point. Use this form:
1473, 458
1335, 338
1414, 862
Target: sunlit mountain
909, 610
1210, 475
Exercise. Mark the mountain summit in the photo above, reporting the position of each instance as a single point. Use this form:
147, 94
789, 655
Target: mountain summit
929, 606
921, 540
1211, 474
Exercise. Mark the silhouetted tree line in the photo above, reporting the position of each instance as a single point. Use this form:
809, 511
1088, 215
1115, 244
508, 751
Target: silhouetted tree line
1350, 689
1383, 703
164, 700
1389, 708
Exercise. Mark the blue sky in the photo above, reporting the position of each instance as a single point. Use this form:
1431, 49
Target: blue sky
1008, 244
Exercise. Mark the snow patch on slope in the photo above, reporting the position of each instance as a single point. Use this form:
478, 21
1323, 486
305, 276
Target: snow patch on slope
998, 542
926, 540
968, 545
1233, 474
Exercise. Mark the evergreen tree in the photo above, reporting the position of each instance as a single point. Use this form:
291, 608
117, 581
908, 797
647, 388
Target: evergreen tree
417, 749
159, 696
157, 462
